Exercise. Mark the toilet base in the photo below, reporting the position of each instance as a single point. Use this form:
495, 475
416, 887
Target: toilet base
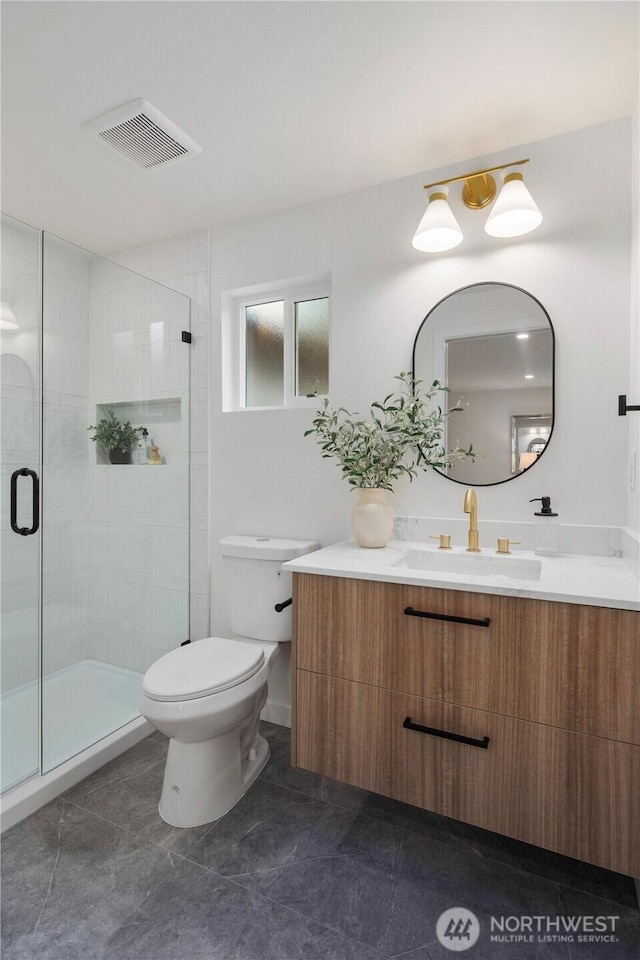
204, 780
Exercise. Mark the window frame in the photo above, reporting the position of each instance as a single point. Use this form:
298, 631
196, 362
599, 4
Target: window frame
289, 297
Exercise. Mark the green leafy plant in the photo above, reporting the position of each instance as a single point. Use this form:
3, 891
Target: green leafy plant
112, 434
403, 434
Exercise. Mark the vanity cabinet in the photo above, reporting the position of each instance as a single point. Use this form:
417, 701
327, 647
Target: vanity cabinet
542, 700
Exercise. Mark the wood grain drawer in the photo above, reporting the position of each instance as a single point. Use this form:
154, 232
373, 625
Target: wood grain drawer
571, 793
608, 672
570, 666
520, 665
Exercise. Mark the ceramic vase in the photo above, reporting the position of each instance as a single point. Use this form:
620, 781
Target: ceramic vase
372, 518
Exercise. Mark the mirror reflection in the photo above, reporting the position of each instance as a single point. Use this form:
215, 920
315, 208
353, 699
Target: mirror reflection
493, 345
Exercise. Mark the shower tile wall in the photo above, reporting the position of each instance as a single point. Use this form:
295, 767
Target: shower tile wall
183, 265
138, 525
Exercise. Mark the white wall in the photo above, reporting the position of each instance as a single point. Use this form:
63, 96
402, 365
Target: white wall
266, 478
271, 480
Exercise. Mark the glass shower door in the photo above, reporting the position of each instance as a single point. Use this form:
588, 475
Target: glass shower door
115, 539
20, 323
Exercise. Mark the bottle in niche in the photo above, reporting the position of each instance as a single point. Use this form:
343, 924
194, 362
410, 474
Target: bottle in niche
155, 457
547, 529
141, 455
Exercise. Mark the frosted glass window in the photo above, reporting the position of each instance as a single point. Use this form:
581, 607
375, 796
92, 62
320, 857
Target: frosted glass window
312, 346
264, 338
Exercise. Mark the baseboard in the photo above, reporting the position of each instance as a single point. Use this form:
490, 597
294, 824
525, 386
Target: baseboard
275, 712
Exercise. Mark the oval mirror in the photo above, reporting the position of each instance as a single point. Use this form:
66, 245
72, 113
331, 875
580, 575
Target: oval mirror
493, 345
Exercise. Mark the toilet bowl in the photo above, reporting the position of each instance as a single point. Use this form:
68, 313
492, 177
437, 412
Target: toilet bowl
210, 712
207, 696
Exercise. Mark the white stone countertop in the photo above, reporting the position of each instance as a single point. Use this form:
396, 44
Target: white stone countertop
595, 581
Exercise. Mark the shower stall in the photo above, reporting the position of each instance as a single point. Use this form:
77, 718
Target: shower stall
94, 554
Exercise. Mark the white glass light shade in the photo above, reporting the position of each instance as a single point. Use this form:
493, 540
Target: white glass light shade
7, 317
515, 211
438, 230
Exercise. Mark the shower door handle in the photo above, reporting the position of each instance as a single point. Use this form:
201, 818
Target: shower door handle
35, 502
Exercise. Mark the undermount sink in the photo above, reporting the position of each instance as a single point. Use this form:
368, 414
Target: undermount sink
477, 564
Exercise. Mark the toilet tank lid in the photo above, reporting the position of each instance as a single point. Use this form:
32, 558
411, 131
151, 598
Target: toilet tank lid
266, 548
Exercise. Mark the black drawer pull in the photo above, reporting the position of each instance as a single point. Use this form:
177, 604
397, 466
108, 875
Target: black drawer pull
410, 612
483, 744
279, 607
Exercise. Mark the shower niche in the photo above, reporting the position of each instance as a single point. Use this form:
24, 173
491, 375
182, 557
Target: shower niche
163, 421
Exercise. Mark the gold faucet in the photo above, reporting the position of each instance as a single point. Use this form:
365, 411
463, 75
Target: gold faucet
471, 507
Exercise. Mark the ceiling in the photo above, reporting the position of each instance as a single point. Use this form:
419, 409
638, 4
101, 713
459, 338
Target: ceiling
500, 362
291, 102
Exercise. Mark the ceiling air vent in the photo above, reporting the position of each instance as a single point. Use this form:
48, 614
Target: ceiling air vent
143, 135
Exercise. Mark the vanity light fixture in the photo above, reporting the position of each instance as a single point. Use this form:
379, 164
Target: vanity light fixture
7, 317
514, 213
438, 230
522, 336
528, 376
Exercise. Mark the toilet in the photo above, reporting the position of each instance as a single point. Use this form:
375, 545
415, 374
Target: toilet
207, 695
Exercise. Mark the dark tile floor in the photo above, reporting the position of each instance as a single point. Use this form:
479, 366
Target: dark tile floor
303, 868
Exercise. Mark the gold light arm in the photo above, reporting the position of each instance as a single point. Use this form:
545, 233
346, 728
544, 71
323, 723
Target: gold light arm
479, 187
475, 173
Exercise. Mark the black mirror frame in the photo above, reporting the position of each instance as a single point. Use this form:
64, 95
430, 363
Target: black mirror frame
512, 286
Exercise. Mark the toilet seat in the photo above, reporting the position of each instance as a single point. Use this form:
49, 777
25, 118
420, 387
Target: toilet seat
202, 668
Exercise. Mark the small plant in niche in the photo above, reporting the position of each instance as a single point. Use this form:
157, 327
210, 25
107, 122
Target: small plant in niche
403, 434
116, 437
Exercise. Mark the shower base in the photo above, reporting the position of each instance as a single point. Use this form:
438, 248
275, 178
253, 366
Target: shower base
90, 716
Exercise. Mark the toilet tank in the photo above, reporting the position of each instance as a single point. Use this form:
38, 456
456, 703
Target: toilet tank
255, 582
